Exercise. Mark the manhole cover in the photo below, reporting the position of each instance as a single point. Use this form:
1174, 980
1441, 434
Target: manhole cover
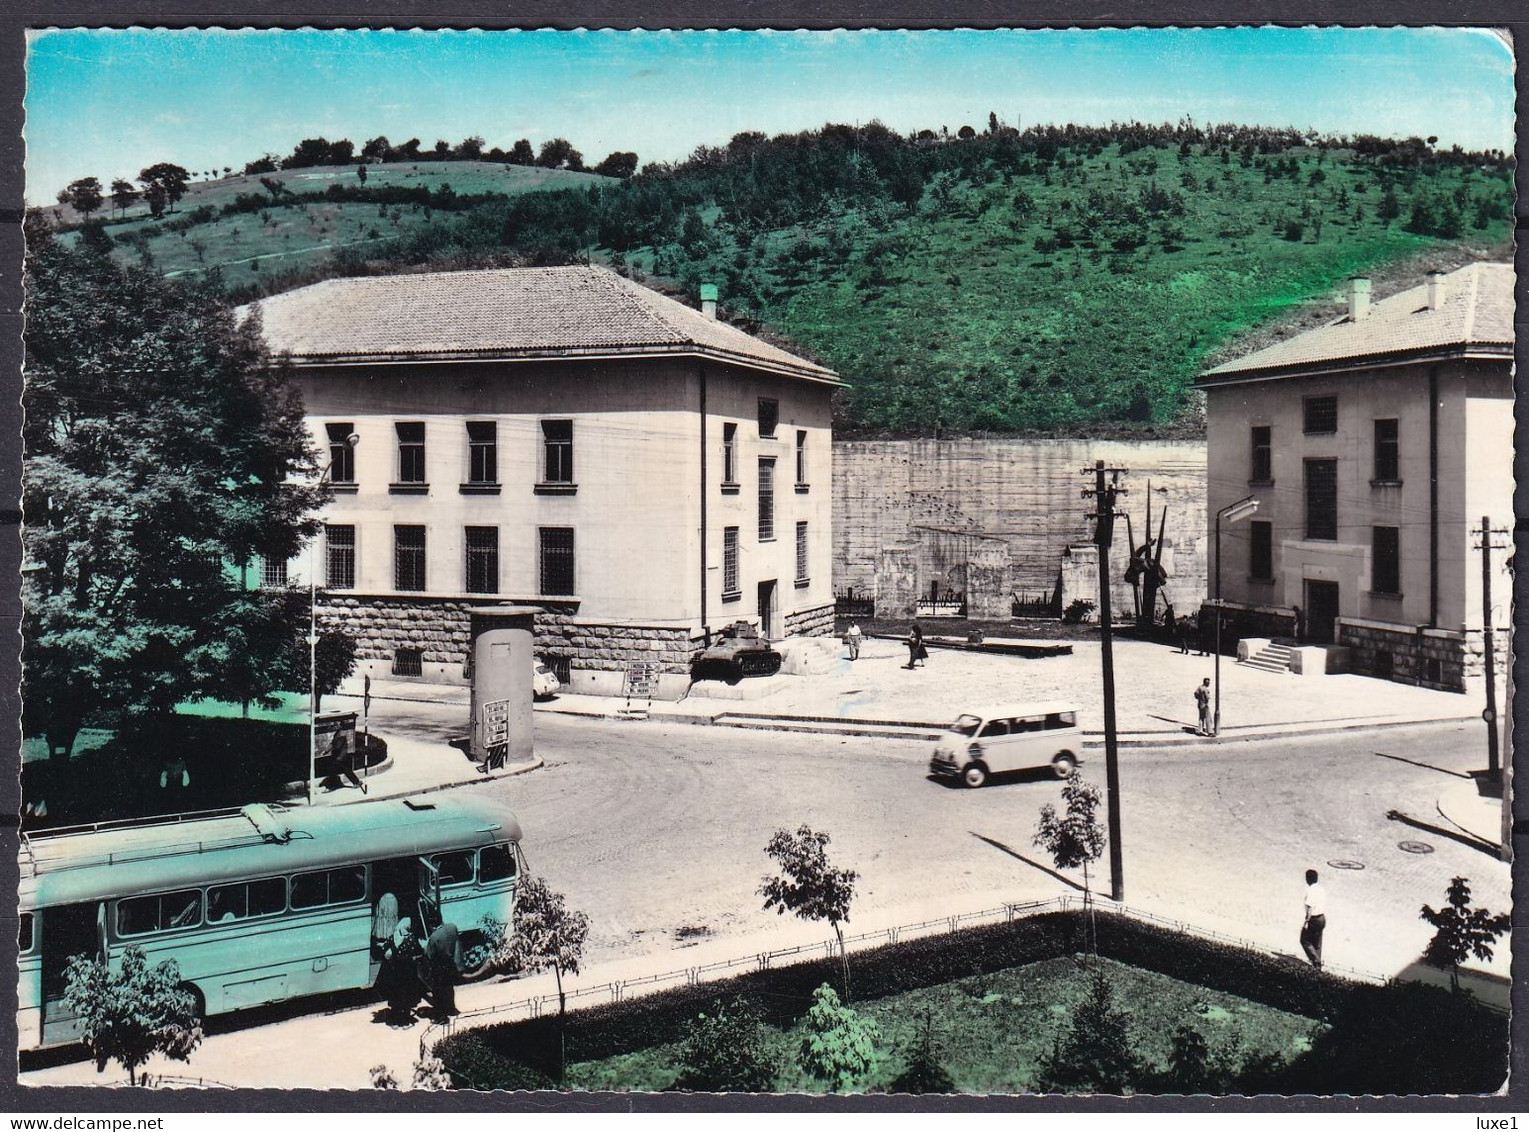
1414, 847
1342, 864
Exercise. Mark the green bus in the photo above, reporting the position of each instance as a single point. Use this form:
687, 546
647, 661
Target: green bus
260, 904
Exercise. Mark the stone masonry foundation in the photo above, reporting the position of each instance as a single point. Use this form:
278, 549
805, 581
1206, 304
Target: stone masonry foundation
1429, 658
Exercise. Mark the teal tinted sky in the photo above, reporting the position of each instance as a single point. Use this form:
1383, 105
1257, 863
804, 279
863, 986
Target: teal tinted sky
107, 103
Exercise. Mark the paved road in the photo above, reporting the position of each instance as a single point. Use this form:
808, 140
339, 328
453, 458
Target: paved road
658, 830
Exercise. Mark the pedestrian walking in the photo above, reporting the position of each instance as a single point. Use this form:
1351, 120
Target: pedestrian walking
917, 653
1202, 706
1300, 623
1315, 922
1207, 629
1186, 634
852, 638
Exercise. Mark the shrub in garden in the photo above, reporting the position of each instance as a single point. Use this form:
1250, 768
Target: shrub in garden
924, 1072
839, 1043
1096, 1053
472, 1063
729, 1050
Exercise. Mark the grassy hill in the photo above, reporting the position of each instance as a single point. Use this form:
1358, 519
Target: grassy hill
297, 231
1059, 280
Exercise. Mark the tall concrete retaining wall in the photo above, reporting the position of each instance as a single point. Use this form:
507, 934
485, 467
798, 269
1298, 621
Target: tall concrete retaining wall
993, 517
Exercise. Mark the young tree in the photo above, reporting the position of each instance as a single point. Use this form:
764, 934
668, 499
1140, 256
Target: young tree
1076, 838
808, 885
163, 450
545, 935
1096, 1054
134, 1013
83, 195
361, 173
728, 1050
838, 1043
1461, 931
924, 1073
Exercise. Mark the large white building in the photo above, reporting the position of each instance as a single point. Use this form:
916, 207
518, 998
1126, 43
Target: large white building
1375, 445
561, 438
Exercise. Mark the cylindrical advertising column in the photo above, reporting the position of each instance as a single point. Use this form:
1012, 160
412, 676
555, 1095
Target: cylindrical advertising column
502, 641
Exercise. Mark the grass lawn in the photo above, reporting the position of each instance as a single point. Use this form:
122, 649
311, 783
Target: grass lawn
993, 1030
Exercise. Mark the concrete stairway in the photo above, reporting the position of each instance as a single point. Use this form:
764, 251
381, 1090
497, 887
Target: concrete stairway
1272, 658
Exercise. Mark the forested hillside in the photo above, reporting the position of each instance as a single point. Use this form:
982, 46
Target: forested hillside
1050, 280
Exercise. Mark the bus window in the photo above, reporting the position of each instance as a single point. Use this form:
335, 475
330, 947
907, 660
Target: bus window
238, 901
454, 868
333, 886
496, 862
24, 934
165, 911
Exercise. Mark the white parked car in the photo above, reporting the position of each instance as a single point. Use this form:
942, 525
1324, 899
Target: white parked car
544, 681
987, 741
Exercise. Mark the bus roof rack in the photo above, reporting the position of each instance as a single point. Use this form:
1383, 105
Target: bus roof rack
269, 823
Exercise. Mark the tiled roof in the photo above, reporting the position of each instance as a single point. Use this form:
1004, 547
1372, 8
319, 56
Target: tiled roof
509, 312
1475, 316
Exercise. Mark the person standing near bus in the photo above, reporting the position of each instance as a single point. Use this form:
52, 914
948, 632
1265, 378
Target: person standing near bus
442, 954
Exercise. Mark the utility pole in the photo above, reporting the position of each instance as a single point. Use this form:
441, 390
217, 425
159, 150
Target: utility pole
1104, 495
1489, 661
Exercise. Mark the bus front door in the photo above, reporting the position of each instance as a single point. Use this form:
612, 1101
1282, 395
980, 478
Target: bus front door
67, 931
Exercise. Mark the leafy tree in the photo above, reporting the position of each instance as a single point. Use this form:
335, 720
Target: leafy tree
430, 1074
377, 149
163, 450
361, 173
1096, 1054
334, 658
545, 935
123, 194
558, 153
265, 164
808, 885
925, 1073
729, 1050
1461, 931
169, 177
521, 153
383, 1077
469, 149
622, 163
83, 195
131, 1014
838, 1043
1077, 838
1390, 207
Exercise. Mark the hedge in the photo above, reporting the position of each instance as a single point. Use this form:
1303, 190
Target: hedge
1396, 1038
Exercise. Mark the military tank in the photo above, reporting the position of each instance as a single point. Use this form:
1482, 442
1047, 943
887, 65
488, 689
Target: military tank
737, 653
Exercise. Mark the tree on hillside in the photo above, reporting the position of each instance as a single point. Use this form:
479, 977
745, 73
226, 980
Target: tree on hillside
84, 196
521, 153
361, 173
171, 178
469, 149
123, 194
377, 149
1461, 931
264, 164
622, 163
558, 153
163, 450
131, 1014
409, 151
155, 197
808, 885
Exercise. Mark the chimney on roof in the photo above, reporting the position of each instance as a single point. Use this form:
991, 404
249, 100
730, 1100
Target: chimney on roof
1435, 290
1358, 298
709, 300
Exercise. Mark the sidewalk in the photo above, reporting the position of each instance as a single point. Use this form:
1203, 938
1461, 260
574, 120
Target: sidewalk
1154, 696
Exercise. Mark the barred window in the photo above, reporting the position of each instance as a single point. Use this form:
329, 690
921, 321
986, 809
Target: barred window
482, 560
482, 452
273, 573
408, 662
342, 457
411, 451
801, 552
1321, 415
730, 560
766, 500
557, 574
1322, 499
557, 445
340, 557
408, 558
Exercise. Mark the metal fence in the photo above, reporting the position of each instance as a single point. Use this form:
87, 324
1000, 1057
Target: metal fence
849, 607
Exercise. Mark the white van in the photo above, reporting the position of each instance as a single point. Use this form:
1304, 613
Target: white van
1009, 737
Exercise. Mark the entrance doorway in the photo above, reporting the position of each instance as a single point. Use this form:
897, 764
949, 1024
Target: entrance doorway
767, 609
1321, 611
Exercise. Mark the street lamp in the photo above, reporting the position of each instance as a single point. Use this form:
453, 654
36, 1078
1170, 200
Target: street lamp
313, 633
1231, 513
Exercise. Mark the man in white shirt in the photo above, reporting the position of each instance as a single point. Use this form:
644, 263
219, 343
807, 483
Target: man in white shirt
1316, 919
852, 638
